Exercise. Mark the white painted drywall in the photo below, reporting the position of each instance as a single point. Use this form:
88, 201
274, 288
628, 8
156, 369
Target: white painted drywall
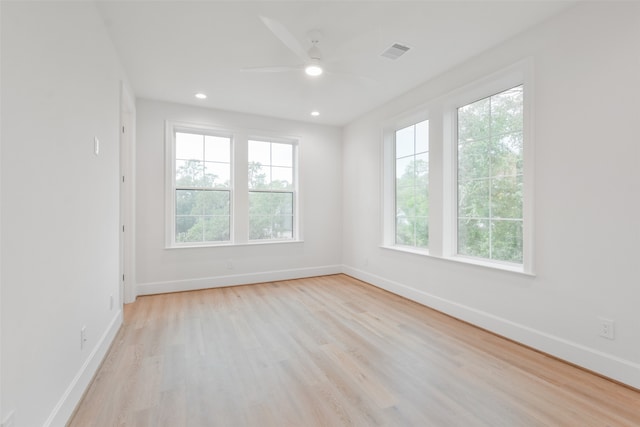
60, 216
59, 202
320, 173
586, 68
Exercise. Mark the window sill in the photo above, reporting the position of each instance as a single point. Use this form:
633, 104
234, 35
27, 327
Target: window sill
407, 249
231, 245
493, 265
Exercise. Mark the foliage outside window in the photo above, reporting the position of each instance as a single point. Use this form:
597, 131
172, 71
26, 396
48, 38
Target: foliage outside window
202, 188
412, 185
490, 177
271, 190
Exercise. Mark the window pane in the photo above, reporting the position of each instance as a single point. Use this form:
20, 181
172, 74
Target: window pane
189, 146
188, 229
282, 155
507, 240
259, 227
421, 201
189, 173
185, 202
405, 143
405, 171
405, 231
473, 199
214, 202
412, 181
192, 229
270, 215
506, 111
507, 155
260, 152
474, 120
281, 178
202, 215
217, 149
473, 238
259, 176
422, 169
405, 202
473, 160
271, 168
421, 231
282, 227
217, 174
216, 228
490, 185
506, 197
270, 227
269, 204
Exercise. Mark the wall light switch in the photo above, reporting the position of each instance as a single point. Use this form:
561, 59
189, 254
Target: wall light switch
96, 145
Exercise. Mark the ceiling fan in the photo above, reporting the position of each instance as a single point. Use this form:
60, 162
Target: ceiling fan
312, 63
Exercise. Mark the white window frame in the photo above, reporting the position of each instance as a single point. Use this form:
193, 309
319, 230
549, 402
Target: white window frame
389, 176
516, 75
170, 185
294, 143
443, 144
239, 203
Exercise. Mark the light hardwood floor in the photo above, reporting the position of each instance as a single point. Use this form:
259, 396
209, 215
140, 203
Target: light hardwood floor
331, 351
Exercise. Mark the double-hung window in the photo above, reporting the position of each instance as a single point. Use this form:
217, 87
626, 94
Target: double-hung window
271, 179
202, 177
227, 188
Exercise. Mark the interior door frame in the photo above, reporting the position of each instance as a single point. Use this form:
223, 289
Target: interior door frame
127, 133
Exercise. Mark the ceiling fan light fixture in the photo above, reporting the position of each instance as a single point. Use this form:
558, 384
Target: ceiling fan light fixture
313, 69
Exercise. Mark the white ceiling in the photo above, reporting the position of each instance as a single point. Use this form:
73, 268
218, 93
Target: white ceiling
173, 49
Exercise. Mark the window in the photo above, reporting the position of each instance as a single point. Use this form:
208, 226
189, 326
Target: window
490, 151
458, 174
412, 185
202, 187
271, 190
225, 188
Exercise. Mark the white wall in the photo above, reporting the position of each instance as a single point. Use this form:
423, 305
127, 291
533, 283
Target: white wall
320, 174
60, 217
586, 68
59, 202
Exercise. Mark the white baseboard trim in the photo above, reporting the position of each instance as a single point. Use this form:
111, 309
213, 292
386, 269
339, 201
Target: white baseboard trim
234, 280
67, 404
610, 366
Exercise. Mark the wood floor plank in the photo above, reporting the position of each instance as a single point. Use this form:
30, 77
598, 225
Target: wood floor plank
331, 351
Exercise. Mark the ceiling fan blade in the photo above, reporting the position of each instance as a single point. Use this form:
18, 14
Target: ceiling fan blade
285, 37
363, 79
269, 69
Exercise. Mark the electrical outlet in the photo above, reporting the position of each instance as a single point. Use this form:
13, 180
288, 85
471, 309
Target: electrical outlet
607, 328
10, 420
229, 265
83, 336
110, 302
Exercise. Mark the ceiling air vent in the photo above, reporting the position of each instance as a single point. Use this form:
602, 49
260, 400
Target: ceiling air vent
395, 51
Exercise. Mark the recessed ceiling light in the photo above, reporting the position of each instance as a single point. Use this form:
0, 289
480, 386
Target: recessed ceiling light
315, 113
201, 96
